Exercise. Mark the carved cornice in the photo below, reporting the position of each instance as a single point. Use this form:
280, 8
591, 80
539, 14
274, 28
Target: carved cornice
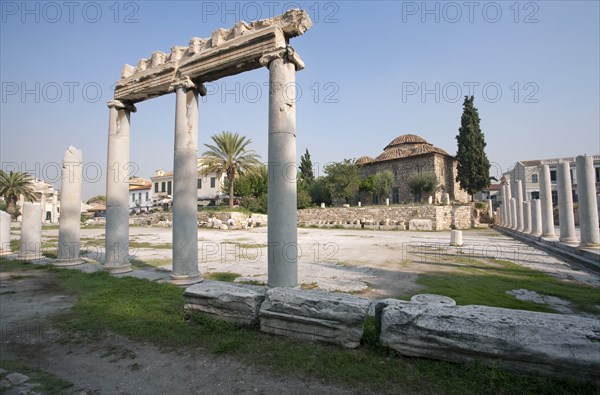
287, 53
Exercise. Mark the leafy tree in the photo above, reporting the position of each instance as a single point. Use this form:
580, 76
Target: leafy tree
473, 165
229, 155
306, 168
12, 186
422, 183
97, 199
382, 183
343, 179
318, 191
366, 185
251, 184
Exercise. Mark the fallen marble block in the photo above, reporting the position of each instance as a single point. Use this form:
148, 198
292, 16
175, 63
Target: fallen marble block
237, 303
566, 345
320, 316
420, 224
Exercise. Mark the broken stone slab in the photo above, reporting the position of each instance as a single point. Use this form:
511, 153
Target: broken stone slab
438, 300
237, 303
567, 345
16, 378
314, 316
419, 224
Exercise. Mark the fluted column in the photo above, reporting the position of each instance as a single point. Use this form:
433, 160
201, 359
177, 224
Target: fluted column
536, 217
588, 209
282, 229
527, 217
519, 201
513, 213
69, 229
566, 217
116, 255
546, 202
185, 174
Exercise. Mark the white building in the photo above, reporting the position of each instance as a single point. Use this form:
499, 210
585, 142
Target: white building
527, 171
139, 194
209, 187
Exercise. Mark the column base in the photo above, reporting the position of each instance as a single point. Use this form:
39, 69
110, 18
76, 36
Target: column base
568, 240
536, 234
519, 230
118, 269
549, 235
186, 279
589, 245
67, 262
29, 257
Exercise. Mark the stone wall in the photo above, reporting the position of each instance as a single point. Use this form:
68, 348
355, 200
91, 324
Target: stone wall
444, 168
390, 217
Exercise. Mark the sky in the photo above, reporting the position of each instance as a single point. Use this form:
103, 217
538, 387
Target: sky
374, 70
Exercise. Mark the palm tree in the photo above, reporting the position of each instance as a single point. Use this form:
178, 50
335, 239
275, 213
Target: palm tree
229, 155
13, 185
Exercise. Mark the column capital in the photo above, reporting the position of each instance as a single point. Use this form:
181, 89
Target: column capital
187, 84
288, 53
121, 105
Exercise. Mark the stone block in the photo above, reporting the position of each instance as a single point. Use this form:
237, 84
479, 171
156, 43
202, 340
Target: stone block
568, 345
335, 318
456, 238
238, 303
419, 224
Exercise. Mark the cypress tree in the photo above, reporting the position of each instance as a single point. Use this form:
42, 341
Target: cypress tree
473, 165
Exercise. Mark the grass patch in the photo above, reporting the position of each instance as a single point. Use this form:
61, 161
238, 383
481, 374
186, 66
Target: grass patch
486, 284
19, 276
153, 312
246, 245
222, 276
145, 244
153, 263
49, 384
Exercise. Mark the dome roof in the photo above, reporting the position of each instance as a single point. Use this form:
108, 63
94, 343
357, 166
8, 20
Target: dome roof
364, 159
406, 139
399, 152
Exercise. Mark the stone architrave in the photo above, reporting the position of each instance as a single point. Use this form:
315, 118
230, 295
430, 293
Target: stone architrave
282, 230
513, 213
4, 233
588, 209
31, 232
519, 202
116, 254
546, 202
536, 217
566, 216
526, 217
69, 229
185, 200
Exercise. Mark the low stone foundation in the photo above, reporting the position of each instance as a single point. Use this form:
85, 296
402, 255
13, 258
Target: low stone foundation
428, 326
392, 217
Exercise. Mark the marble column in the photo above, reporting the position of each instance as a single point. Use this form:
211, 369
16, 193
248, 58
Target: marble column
536, 217
31, 232
491, 210
54, 207
519, 201
43, 206
503, 206
566, 217
510, 223
282, 229
546, 202
4, 233
116, 254
526, 217
588, 209
69, 229
185, 173
513, 213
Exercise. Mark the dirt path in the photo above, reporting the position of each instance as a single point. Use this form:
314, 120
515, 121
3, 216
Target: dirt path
110, 364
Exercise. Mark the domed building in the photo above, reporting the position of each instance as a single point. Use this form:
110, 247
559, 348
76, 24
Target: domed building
410, 154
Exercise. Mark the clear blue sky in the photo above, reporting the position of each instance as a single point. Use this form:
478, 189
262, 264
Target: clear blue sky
533, 68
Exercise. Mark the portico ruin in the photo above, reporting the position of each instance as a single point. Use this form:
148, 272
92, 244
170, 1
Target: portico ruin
227, 52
